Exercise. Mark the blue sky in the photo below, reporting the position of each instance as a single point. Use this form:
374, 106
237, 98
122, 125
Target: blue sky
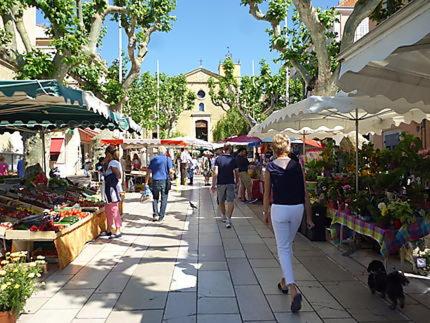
203, 30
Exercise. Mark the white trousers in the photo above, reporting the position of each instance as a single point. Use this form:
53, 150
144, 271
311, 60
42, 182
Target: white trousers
286, 220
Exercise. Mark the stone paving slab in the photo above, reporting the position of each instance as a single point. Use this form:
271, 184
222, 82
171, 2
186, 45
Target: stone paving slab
215, 284
253, 304
217, 305
190, 268
241, 272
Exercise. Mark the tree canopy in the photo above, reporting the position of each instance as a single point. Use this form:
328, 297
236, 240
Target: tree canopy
310, 46
253, 97
141, 103
76, 28
232, 124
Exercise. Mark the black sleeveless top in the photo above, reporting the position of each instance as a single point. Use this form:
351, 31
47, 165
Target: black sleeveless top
288, 186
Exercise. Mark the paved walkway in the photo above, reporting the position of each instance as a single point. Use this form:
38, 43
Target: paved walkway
190, 268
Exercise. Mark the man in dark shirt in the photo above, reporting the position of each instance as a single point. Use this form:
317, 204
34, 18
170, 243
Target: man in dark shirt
245, 190
224, 182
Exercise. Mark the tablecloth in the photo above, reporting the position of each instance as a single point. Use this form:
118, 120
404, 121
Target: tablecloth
390, 240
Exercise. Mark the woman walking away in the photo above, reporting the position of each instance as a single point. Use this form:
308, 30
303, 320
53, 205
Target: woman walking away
284, 180
206, 167
112, 189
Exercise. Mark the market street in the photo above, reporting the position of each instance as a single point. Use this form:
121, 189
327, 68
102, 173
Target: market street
190, 268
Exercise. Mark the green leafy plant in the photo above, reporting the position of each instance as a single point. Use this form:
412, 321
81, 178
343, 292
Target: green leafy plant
253, 97
174, 98
232, 124
18, 281
398, 210
314, 168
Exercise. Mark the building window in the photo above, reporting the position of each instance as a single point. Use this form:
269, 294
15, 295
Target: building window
201, 94
391, 139
201, 107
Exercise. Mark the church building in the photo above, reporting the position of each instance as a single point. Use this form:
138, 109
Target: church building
200, 121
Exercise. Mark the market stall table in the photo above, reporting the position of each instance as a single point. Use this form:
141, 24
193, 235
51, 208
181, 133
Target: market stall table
68, 242
389, 240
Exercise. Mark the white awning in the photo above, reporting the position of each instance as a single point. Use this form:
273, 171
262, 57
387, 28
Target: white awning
339, 114
392, 60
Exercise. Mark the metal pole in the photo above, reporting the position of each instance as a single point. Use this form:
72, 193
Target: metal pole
119, 51
158, 99
287, 70
356, 150
42, 135
304, 146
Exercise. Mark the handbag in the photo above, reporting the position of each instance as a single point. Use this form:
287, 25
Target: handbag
111, 181
168, 180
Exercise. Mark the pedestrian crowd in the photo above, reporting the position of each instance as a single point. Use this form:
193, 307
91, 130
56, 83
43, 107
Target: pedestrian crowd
285, 200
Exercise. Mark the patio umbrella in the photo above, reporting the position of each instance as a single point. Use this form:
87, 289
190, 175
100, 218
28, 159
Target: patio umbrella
359, 114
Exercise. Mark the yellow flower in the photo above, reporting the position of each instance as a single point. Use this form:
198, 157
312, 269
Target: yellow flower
3, 286
4, 262
32, 264
8, 283
17, 286
38, 275
31, 275
15, 270
2, 272
40, 258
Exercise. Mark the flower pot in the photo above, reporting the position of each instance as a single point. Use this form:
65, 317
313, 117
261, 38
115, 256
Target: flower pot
332, 204
7, 317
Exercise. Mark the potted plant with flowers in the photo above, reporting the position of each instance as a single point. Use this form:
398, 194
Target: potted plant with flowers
18, 281
397, 212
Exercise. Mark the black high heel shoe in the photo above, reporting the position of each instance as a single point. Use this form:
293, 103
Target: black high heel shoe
284, 291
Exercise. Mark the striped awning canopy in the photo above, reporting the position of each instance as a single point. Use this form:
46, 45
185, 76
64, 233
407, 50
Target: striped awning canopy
46, 104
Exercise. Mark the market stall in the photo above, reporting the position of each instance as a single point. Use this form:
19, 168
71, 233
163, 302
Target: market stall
392, 206
59, 213
52, 217
365, 115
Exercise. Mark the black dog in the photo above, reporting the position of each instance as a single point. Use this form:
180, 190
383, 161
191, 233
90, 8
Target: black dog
377, 279
395, 282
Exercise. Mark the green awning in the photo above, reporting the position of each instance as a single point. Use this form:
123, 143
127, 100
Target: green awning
46, 104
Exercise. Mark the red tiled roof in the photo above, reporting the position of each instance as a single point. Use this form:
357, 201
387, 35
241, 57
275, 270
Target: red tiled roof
347, 3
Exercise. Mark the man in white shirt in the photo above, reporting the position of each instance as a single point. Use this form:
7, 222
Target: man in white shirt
185, 161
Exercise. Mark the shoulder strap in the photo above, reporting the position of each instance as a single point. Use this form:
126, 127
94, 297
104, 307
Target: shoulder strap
167, 167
